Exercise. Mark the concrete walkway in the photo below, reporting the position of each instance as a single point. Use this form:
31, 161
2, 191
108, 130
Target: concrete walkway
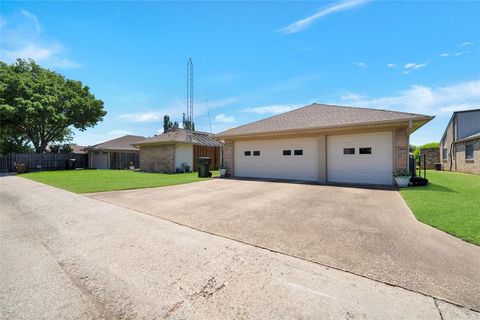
368, 232
66, 256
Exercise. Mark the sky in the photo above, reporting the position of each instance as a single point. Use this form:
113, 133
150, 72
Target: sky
253, 60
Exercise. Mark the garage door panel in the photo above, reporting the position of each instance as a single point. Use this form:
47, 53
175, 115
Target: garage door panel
374, 168
273, 164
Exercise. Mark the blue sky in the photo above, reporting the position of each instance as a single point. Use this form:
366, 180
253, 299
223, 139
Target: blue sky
253, 59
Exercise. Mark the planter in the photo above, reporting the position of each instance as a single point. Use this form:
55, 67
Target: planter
223, 172
131, 167
402, 181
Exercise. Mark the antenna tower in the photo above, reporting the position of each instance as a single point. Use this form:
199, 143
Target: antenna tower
190, 91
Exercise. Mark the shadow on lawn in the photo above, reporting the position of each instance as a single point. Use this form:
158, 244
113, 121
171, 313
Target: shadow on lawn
436, 187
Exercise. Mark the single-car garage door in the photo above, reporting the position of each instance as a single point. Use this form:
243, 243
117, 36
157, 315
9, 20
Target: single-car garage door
360, 158
295, 159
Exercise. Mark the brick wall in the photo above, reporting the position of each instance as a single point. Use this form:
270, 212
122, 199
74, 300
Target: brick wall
157, 158
464, 165
432, 156
401, 148
228, 156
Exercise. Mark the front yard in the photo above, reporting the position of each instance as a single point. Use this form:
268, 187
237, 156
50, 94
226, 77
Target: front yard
85, 181
450, 202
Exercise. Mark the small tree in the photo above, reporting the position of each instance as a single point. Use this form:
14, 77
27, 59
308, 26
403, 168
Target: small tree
42, 105
167, 124
187, 124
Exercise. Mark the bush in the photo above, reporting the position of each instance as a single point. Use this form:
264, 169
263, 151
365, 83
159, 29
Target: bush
416, 152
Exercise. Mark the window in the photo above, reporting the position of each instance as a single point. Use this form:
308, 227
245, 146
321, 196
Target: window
348, 150
256, 153
247, 153
365, 150
469, 151
287, 152
298, 152
445, 154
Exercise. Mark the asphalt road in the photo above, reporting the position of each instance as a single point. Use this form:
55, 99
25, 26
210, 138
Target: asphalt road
66, 256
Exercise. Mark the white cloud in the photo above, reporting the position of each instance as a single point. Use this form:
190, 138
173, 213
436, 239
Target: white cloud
409, 67
118, 133
23, 37
424, 99
361, 64
325, 11
273, 109
443, 55
457, 54
224, 119
175, 110
391, 65
468, 43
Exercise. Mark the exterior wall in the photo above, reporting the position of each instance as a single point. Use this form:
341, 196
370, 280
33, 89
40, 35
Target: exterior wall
98, 159
467, 123
447, 143
400, 149
184, 154
322, 158
157, 158
432, 156
469, 166
228, 156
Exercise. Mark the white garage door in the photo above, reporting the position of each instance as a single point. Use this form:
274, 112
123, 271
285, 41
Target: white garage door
99, 159
360, 158
295, 159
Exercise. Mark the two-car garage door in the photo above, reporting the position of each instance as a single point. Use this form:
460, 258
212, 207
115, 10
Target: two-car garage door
295, 159
357, 158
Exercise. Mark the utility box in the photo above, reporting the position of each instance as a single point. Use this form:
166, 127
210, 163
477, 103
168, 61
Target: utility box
204, 167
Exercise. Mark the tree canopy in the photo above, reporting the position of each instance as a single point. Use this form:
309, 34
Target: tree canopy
42, 106
416, 151
167, 124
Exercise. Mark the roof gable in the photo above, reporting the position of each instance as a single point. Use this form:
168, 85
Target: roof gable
182, 136
122, 143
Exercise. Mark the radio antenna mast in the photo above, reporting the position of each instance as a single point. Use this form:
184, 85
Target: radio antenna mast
190, 93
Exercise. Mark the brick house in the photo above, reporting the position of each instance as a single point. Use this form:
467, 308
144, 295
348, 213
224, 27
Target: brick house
460, 144
323, 143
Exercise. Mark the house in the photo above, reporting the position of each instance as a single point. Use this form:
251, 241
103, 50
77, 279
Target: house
177, 148
323, 143
460, 144
79, 149
118, 153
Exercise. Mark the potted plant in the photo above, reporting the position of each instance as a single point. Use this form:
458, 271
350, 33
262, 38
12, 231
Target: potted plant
131, 166
223, 171
402, 177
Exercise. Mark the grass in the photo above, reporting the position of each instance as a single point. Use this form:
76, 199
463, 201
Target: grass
84, 181
450, 202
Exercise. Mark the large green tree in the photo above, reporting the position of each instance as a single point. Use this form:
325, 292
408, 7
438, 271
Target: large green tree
42, 105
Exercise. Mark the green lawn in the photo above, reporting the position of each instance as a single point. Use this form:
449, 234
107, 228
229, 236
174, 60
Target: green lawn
83, 181
450, 202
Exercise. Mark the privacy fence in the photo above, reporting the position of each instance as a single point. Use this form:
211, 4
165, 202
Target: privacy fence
42, 161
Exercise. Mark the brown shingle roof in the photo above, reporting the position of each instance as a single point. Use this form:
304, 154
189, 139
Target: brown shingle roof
182, 136
123, 143
317, 116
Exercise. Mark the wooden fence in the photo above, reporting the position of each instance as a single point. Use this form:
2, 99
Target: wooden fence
41, 161
122, 160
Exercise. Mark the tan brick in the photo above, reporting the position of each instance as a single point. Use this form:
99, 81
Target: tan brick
157, 158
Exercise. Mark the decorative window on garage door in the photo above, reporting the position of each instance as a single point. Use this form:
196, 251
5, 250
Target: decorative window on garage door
348, 150
256, 153
247, 153
287, 152
367, 150
298, 152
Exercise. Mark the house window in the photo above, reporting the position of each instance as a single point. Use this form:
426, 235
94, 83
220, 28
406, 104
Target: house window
256, 153
348, 150
365, 150
287, 152
445, 154
298, 152
469, 151
247, 153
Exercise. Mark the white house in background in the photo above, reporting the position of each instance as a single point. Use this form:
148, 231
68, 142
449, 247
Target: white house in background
323, 143
118, 153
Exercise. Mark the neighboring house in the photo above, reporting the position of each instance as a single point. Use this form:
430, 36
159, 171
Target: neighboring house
429, 157
460, 144
323, 143
169, 151
79, 149
114, 154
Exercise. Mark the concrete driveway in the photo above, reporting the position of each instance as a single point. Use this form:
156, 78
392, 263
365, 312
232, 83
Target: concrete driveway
367, 232
65, 256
